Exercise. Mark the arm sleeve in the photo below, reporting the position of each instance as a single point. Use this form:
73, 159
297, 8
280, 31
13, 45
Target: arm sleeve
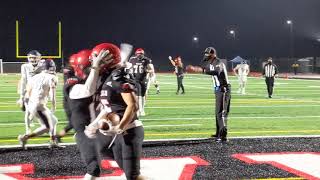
23, 82
80, 91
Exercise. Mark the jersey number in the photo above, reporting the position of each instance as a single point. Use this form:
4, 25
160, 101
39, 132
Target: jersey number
137, 69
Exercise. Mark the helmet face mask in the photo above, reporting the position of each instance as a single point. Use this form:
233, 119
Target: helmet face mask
34, 57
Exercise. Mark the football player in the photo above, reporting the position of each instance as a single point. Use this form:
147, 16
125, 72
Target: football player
39, 89
242, 70
152, 79
27, 71
141, 65
118, 95
69, 80
81, 101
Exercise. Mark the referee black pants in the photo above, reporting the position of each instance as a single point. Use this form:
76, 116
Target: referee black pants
270, 83
223, 97
180, 83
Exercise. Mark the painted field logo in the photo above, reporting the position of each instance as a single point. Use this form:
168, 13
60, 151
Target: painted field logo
169, 168
303, 164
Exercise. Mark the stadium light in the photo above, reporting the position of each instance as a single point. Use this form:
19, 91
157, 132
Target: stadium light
233, 33
290, 24
195, 39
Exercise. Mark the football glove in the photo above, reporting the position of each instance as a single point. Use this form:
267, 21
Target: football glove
97, 59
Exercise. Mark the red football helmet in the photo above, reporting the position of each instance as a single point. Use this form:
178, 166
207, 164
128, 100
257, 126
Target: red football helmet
139, 51
72, 58
107, 63
81, 64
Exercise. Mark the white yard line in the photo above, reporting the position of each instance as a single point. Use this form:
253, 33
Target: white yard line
172, 140
197, 107
302, 118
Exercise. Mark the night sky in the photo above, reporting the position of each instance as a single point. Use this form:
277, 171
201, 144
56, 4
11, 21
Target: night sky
164, 27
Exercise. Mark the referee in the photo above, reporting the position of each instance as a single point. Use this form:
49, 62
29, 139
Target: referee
269, 72
212, 65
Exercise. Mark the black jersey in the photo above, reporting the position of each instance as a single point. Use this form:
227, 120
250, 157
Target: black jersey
218, 70
118, 82
139, 67
178, 70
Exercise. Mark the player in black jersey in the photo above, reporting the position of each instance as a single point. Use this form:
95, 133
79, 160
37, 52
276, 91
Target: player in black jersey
214, 66
81, 103
179, 71
119, 94
69, 80
140, 66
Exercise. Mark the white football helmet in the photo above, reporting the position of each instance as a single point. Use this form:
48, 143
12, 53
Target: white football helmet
34, 57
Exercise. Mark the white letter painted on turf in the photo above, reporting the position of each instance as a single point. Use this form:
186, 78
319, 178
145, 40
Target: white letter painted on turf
302, 164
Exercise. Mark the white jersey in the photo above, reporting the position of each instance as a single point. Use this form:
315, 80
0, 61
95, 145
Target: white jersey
41, 84
151, 77
243, 69
27, 71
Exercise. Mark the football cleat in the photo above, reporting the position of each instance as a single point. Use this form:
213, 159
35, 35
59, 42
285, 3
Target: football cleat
23, 141
54, 144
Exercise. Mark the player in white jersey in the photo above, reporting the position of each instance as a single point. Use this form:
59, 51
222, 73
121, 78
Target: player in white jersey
152, 79
40, 88
27, 71
242, 70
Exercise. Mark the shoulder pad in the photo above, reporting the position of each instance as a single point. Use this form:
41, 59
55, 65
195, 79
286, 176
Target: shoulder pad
118, 73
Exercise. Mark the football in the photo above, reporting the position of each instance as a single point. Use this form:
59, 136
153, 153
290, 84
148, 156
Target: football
103, 124
114, 118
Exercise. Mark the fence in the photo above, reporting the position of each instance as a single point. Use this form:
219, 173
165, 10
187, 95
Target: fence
306, 65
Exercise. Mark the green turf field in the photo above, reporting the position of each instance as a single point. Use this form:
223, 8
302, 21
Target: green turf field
293, 110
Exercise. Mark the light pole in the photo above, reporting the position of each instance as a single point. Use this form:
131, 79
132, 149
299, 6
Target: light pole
290, 24
233, 34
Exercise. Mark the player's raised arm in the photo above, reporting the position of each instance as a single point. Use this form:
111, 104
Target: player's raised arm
172, 61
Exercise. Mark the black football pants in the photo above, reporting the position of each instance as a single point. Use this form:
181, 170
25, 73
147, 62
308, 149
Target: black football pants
223, 97
270, 83
180, 83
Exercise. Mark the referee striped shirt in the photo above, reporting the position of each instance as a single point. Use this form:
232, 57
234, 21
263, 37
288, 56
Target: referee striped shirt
270, 70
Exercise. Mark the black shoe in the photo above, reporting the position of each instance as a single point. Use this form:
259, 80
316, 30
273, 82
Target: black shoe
158, 92
270, 96
183, 92
224, 140
59, 139
213, 136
